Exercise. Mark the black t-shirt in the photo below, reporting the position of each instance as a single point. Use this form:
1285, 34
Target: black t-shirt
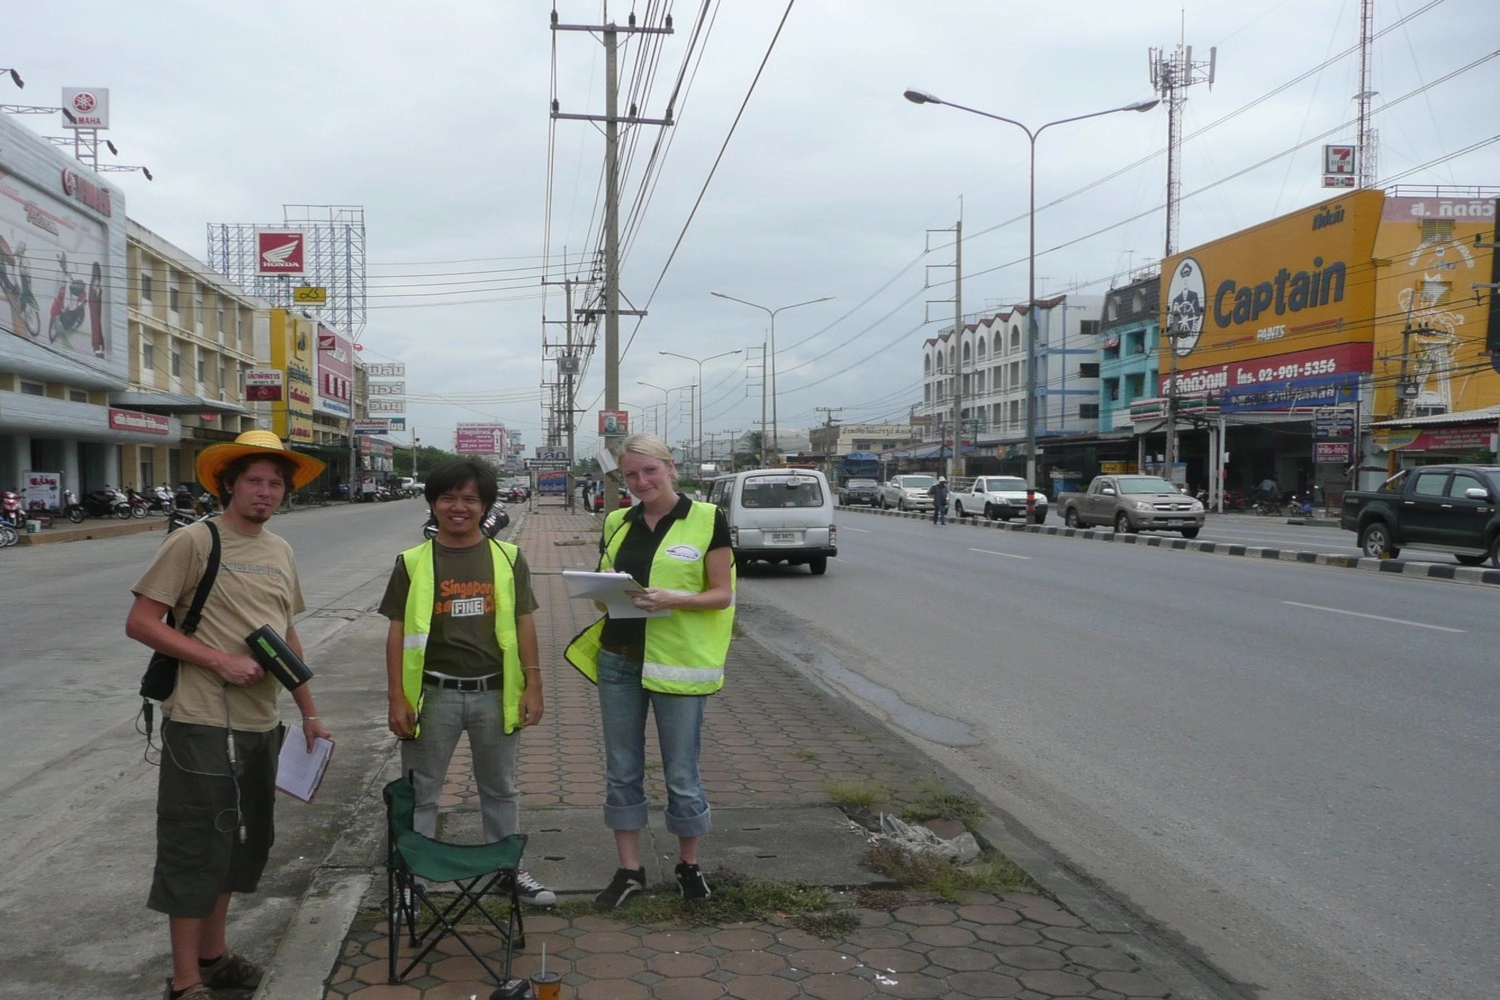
462, 642
638, 550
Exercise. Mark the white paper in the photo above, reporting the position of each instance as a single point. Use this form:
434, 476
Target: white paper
298, 773
613, 590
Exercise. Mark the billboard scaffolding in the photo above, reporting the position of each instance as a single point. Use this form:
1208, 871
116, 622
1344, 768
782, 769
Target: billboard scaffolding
331, 250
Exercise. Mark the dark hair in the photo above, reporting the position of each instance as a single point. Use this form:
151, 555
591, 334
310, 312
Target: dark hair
447, 478
232, 471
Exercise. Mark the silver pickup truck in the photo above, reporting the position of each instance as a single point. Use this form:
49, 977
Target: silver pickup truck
908, 492
1133, 503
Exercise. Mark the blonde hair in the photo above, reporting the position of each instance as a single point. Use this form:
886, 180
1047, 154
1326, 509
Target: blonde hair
649, 445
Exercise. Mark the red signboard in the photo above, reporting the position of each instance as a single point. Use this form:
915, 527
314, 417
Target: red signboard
144, 423
1338, 359
612, 422
279, 252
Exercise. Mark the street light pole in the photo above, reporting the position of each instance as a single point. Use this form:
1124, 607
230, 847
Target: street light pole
775, 445
919, 97
698, 397
666, 395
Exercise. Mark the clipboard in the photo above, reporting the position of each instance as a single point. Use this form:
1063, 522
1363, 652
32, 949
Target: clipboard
299, 773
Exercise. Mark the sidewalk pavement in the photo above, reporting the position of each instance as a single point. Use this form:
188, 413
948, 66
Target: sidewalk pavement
773, 744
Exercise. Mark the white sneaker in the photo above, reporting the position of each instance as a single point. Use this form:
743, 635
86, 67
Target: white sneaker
532, 891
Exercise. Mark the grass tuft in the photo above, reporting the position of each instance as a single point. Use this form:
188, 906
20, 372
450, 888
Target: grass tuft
857, 793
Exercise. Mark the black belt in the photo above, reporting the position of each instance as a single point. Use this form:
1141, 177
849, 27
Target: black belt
629, 652
470, 685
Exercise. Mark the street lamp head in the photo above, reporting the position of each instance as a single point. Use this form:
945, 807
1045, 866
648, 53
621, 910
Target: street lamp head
1141, 105
919, 97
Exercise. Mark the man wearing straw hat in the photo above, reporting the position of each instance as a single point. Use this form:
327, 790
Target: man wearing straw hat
221, 735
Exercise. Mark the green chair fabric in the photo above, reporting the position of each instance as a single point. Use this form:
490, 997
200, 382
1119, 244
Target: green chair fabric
479, 872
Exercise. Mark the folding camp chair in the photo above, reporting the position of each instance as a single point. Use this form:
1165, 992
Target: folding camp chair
480, 872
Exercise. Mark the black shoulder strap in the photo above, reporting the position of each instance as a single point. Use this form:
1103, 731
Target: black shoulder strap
206, 584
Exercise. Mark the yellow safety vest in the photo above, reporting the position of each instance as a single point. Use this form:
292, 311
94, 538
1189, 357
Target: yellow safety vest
685, 650
418, 624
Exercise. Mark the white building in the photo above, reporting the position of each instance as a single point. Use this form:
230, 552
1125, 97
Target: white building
989, 362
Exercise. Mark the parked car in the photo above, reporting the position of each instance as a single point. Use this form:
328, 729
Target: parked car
997, 498
861, 491
1133, 503
908, 492
778, 516
1449, 508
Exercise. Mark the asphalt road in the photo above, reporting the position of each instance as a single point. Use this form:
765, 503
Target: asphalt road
1292, 769
76, 796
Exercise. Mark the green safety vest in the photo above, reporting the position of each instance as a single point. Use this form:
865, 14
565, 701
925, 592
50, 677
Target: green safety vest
685, 650
418, 625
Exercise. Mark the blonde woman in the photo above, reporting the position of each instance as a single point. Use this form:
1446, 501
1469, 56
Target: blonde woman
678, 550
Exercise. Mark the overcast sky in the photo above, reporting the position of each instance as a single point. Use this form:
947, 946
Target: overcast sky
434, 118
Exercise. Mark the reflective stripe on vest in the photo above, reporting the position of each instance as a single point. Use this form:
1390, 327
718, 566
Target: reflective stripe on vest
418, 624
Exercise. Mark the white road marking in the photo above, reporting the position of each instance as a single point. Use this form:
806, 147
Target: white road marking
862, 531
1008, 555
1379, 618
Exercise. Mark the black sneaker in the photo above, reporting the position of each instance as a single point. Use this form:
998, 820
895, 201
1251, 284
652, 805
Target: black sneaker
694, 886
533, 892
626, 883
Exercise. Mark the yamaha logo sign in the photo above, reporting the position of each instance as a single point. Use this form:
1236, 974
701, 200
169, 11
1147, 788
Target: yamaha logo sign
1186, 295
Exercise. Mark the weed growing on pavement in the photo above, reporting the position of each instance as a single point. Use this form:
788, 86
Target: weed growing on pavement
938, 803
736, 898
992, 873
831, 925
805, 755
863, 794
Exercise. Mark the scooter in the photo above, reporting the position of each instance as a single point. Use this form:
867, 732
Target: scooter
66, 319
495, 520
139, 505
161, 499
11, 511
108, 502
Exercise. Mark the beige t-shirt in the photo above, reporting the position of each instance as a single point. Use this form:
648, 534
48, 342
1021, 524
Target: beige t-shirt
257, 585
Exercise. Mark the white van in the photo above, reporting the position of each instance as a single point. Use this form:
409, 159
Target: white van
779, 516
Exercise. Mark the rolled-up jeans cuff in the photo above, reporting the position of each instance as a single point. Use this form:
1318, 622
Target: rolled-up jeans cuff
626, 817
690, 826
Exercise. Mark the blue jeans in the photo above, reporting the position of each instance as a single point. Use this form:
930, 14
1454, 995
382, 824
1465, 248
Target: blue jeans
445, 714
679, 723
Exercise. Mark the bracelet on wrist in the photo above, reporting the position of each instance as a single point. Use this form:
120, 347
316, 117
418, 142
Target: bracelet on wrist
531, 668
312, 718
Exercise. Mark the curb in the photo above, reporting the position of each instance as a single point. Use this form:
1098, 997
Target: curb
1418, 570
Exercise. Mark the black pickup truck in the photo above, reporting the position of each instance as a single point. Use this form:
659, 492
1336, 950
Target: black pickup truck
1450, 508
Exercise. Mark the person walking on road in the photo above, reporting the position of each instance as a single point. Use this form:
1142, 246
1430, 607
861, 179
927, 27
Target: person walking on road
678, 551
940, 501
221, 735
461, 656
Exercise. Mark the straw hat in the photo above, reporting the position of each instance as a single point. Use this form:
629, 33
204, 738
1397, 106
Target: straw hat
213, 459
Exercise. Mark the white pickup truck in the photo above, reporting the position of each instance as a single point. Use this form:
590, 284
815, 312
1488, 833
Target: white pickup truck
997, 498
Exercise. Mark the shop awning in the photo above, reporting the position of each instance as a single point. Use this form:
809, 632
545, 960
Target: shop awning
174, 402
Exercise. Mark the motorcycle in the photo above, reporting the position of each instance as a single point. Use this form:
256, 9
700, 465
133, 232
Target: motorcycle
108, 502
1297, 504
197, 503
15, 282
495, 520
139, 505
65, 318
161, 499
11, 511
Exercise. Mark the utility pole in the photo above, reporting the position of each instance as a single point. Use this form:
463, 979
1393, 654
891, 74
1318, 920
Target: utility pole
1171, 75
612, 122
956, 349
